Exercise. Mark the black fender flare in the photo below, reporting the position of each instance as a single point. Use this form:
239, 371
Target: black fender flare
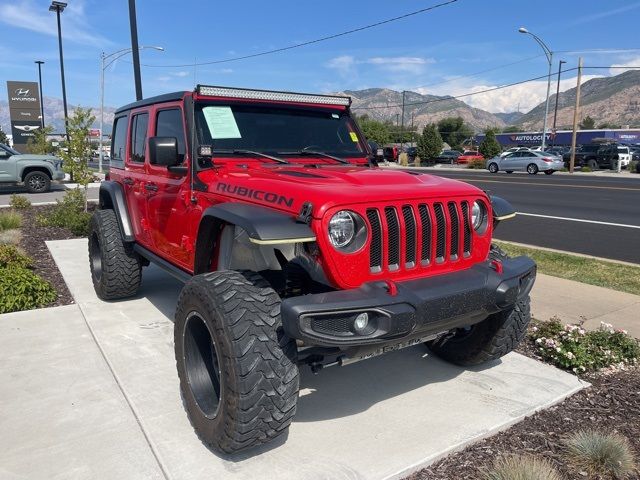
112, 197
263, 225
502, 210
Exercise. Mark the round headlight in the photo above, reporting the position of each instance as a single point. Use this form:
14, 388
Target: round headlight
478, 213
342, 229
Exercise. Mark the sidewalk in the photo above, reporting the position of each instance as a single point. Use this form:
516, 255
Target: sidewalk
573, 301
90, 391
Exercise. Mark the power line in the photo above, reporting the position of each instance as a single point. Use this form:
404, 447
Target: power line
310, 42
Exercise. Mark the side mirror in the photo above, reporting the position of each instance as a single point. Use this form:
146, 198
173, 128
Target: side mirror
163, 151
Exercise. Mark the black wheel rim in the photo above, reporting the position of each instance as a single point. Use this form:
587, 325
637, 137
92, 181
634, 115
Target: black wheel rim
95, 257
201, 365
37, 183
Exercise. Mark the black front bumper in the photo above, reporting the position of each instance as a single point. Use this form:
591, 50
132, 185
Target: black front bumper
416, 308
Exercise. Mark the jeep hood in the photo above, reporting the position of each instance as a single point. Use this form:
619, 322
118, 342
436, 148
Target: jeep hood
330, 186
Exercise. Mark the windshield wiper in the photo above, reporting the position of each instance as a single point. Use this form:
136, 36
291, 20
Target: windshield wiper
305, 152
252, 152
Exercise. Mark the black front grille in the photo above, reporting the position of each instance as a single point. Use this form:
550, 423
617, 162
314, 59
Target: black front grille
450, 222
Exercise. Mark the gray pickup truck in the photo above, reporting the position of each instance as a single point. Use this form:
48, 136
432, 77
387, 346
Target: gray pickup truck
35, 171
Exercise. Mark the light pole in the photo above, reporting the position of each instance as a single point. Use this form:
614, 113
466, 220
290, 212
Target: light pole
40, 62
555, 110
59, 7
112, 57
549, 54
133, 24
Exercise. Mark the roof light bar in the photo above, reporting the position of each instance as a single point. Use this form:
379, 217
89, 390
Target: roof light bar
272, 95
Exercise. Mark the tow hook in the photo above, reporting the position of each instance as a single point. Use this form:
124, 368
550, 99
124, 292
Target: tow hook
497, 266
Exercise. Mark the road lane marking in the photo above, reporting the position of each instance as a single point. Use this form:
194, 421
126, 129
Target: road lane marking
544, 184
581, 220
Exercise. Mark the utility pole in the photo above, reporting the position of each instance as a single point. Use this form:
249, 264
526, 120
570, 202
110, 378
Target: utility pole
576, 113
555, 111
402, 124
134, 48
40, 62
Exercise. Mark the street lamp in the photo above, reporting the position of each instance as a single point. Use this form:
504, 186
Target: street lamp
112, 57
555, 111
40, 62
549, 54
59, 7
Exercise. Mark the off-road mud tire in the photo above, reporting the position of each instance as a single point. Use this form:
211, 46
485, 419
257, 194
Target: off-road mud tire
490, 339
116, 270
257, 376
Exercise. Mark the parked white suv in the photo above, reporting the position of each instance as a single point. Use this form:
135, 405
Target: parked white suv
624, 155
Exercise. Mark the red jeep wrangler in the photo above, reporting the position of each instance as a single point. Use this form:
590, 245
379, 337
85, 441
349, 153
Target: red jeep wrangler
295, 249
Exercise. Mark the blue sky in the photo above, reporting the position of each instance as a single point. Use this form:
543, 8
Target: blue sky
433, 50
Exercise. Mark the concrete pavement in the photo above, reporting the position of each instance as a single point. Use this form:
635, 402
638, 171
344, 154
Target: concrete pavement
377, 419
49, 198
573, 301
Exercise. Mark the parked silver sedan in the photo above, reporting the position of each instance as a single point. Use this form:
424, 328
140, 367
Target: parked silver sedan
528, 161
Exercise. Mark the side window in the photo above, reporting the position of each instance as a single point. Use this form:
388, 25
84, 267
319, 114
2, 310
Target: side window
119, 141
139, 137
169, 123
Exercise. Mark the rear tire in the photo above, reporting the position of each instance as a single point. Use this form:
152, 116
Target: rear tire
237, 368
116, 270
493, 167
592, 164
549, 172
37, 182
490, 339
532, 169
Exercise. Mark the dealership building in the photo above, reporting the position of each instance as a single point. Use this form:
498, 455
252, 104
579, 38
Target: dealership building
563, 137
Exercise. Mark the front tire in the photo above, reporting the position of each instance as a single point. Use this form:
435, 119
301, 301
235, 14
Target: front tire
237, 367
532, 169
490, 339
37, 182
116, 270
493, 167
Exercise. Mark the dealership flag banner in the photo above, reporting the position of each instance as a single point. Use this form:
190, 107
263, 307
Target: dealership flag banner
24, 111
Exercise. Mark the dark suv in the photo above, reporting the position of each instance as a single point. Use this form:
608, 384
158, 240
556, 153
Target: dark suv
295, 249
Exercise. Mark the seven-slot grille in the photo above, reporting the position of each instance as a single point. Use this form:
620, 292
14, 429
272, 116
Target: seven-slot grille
418, 234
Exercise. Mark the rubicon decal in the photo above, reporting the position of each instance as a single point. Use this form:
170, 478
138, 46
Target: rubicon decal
260, 195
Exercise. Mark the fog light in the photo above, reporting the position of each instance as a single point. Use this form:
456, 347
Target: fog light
361, 322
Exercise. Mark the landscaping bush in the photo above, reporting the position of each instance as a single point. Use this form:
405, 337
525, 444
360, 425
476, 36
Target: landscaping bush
633, 166
11, 256
477, 164
21, 289
10, 237
522, 468
9, 220
600, 455
586, 169
68, 213
19, 202
574, 348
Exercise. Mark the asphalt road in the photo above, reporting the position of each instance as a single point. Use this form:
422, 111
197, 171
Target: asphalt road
56, 193
597, 216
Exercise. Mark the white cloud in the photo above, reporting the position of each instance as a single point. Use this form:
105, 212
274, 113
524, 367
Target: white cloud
413, 65
343, 64
36, 17
182, 73
623, 67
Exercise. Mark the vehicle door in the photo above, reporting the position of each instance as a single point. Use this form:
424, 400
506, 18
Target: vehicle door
7, 166
167, 191
510, 161
525, 159
135, 175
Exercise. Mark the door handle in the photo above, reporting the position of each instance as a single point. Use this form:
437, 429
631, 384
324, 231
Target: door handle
151, 187
128, 181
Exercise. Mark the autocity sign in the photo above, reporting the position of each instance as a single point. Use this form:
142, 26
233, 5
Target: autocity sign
530, 138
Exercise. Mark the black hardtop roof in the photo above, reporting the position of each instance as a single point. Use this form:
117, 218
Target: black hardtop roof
167, 97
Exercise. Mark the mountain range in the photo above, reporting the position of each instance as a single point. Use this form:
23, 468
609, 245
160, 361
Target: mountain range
613, 100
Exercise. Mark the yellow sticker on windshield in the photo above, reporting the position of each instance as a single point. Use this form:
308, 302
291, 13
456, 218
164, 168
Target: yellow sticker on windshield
354, 137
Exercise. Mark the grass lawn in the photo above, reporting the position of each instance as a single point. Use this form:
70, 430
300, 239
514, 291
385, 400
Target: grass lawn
624, 278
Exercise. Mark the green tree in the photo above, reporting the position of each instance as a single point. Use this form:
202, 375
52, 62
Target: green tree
430, 142
78, 150
587, 123
374, 130
609, 125
512, 129
489, 147
38, 144
454, 131
3, 137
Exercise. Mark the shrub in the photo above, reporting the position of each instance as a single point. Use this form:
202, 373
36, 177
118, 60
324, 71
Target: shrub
574, 348
586, 169
633, 166
9, 220
522, 468
600, 455
19, 202
21, 289
68, 213
11, 256
477, 164
417, 161
10, 237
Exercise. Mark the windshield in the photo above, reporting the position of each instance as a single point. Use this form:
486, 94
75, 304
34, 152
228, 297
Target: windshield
277, 130
10, 150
